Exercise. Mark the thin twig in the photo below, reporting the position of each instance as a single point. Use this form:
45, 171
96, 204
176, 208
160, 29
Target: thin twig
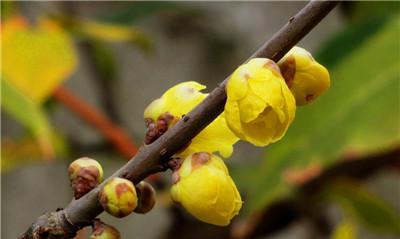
151, 158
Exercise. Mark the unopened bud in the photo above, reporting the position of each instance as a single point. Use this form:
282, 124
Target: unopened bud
104, 231
306, 78
157, 128
84, 174
146, 197
118, 197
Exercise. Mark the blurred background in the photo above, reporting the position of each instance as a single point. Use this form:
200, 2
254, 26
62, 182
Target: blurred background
76, 77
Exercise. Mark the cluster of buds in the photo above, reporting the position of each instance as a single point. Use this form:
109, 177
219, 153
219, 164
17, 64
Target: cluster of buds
157, 128
118, 196
262, 97
261, 104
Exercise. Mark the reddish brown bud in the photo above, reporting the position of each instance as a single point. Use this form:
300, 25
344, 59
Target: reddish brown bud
146, 197
158, 128
84, 174
104, 231
151, 134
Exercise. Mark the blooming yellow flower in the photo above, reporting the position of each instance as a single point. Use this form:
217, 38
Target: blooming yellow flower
205, 189
178, 101
260, 106
306, 78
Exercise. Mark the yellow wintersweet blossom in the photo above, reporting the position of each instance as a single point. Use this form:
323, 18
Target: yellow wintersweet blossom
36, 59
260, 106
306, 78
205, 189
178, 101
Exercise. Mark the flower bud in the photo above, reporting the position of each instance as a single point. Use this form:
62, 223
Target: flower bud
104, 231
146, 197
259, 106
84, 174
165, 112
118, 197
205, 189
306, 78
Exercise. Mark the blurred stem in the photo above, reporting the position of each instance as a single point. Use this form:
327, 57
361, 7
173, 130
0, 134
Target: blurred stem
121, 141
103, 74
104, 78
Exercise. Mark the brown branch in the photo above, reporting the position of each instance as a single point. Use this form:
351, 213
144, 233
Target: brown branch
121, 141
152, 158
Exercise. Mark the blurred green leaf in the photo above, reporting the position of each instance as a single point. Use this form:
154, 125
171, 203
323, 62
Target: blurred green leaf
7, 9
361, 11
358, 115
345, 230
348, 40
365, 207
28, 114
104, 60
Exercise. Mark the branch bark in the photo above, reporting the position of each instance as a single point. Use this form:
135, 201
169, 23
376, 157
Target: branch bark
152, 158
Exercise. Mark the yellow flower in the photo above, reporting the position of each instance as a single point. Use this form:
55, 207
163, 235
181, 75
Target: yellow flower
205, 189
260, 106
306, 78
164, 112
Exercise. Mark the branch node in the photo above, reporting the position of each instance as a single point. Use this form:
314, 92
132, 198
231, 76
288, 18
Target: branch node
163, 152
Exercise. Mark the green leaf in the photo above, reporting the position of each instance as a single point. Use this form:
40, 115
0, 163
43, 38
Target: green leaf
365, 207
359, 114
362, 11
104, 60
353, 35
28, 114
